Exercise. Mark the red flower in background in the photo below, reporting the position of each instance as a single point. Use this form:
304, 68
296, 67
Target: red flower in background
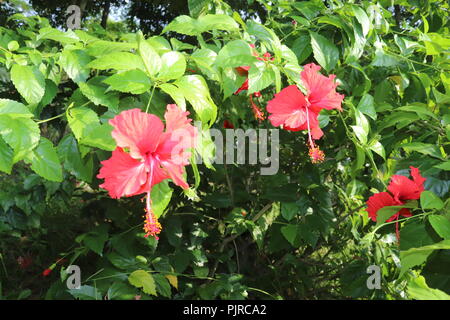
146, 155
294, 111
243, 71
401, 189
46, 272
228, 124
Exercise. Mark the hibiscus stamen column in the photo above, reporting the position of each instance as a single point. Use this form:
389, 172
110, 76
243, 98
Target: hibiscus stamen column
152, 227
259, 115
315, 153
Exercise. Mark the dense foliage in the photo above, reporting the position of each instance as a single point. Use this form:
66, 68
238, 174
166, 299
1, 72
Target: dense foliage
303, 233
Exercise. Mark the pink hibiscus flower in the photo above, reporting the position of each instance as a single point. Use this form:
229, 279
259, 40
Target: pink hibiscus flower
146, 155
294, 111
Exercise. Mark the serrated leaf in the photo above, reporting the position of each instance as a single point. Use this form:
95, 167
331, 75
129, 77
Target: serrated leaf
118, 61
17, 129
44, 161
132, 81
150, 57
173, 65
29, 82
74, 63
143, 279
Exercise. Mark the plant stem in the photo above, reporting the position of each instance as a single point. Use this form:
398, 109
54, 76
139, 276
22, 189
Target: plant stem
150, 99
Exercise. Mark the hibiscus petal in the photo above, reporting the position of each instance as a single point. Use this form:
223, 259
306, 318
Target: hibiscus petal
156, 175
417, 178
288, 109
124, 176
378, 201
180, 136
288, 100
138, 131
243, 87
175, 172
406, 189
321, 90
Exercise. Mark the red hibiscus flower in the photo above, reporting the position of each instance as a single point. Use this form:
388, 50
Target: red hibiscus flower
401, 189
243, 71
146, 155
294, 111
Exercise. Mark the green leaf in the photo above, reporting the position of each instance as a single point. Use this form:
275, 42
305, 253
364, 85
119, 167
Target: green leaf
160, 195
57, 35
235, 53
325, 52
362, 18
195, 90
74, 63
80, 119
173, 66
428, 200
378, 148
29, 81
386, 212
121, 291
6, 157
175, 93
416, 256
289, 210
150, 57
259, 77
192, 27
51, 90
302, 47
45, 162
362, 127
424, 148
217, 22
71, 158
17, 129
86, 292
444, 166
98, 95
414, 234
383, 59
118, 61
266, 35
143, 279
291, 233
162, 285
96, 239
196, 6
441, 225
132, 81
13, 45
99, 136
367, 106
419, 290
